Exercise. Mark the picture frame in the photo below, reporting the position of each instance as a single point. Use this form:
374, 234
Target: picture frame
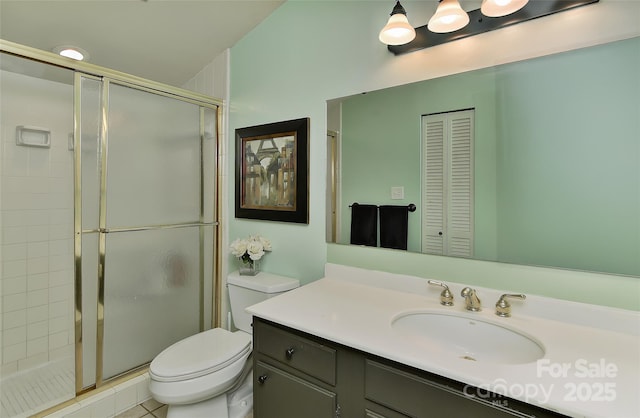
272, 171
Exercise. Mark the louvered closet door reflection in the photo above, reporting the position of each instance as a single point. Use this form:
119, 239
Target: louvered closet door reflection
460, 197
152, 264
447, 218
433, 195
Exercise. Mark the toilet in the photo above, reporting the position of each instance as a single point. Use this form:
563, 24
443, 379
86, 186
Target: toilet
209, 374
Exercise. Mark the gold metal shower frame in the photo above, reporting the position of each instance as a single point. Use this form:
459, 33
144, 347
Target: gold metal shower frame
106, 75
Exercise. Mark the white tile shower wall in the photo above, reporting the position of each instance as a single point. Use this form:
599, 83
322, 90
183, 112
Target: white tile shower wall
36, 225
213, 80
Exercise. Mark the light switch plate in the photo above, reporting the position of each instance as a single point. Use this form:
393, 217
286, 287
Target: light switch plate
397, 192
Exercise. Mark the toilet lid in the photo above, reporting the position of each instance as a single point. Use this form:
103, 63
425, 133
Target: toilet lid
200, 354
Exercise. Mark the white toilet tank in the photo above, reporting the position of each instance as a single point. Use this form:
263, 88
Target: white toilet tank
245, 291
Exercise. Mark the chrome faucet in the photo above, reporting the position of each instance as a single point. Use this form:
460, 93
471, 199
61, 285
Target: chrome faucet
446, 297
472, 302
503, 307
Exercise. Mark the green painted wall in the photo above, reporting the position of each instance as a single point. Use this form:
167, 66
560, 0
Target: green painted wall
308, 52
578, 286
557, 167
580, 185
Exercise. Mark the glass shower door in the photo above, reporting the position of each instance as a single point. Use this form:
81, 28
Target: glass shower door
108, 233
154, 231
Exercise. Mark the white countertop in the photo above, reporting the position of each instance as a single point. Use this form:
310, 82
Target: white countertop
591, 366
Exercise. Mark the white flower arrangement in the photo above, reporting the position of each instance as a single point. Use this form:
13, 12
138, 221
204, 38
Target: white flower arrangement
250, 249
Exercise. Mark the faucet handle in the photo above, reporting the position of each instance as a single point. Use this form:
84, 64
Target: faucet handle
503, 307
446, 297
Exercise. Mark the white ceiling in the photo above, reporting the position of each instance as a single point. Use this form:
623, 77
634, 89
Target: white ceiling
168, 41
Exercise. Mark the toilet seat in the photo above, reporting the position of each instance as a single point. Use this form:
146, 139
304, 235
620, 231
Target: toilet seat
201, 354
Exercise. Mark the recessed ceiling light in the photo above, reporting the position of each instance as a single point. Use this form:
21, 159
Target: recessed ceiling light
72, 52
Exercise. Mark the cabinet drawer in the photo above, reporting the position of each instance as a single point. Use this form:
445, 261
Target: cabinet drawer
373, 410
416, 397
278, 394
307, 356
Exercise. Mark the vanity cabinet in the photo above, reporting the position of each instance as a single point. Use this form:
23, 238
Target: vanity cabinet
293, 375
299, 375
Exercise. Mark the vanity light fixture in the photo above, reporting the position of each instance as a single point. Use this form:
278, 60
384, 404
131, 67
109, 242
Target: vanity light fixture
397, 31
492, 15
72, 52
449, 17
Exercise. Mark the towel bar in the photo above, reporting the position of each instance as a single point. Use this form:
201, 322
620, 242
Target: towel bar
411, 206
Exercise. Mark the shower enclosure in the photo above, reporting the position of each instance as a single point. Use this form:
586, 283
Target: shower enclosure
108, 225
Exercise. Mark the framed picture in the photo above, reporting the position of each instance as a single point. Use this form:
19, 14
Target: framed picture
272, 171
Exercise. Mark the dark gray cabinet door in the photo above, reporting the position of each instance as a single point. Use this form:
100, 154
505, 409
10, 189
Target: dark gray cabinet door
417, 397
277, 394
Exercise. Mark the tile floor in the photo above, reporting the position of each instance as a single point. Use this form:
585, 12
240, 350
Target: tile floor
151, 409
148, 409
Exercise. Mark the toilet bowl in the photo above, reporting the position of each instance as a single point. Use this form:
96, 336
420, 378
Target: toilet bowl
209, 374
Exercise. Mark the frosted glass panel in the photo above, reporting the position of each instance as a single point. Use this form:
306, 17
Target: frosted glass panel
153, 175
208, 270
209, 154
90, 145
89, 307
152, 284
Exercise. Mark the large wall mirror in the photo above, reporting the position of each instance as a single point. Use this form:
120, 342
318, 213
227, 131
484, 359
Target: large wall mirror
551, 169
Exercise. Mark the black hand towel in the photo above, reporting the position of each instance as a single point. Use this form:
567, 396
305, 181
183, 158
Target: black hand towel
364, 225
394, 228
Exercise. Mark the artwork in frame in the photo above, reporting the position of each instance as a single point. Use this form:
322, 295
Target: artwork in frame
272, 177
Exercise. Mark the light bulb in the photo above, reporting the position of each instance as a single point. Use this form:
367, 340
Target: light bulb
498, 8
397, 31
449, 17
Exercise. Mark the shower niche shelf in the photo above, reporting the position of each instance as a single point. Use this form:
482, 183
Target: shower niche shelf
33, 136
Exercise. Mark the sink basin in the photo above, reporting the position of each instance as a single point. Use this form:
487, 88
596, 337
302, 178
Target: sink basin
468, 338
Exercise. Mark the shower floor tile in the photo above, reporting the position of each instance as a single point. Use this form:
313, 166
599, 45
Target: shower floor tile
26, 393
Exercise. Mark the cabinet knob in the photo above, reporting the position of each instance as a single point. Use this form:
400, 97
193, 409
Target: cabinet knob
263, 378
289, 353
